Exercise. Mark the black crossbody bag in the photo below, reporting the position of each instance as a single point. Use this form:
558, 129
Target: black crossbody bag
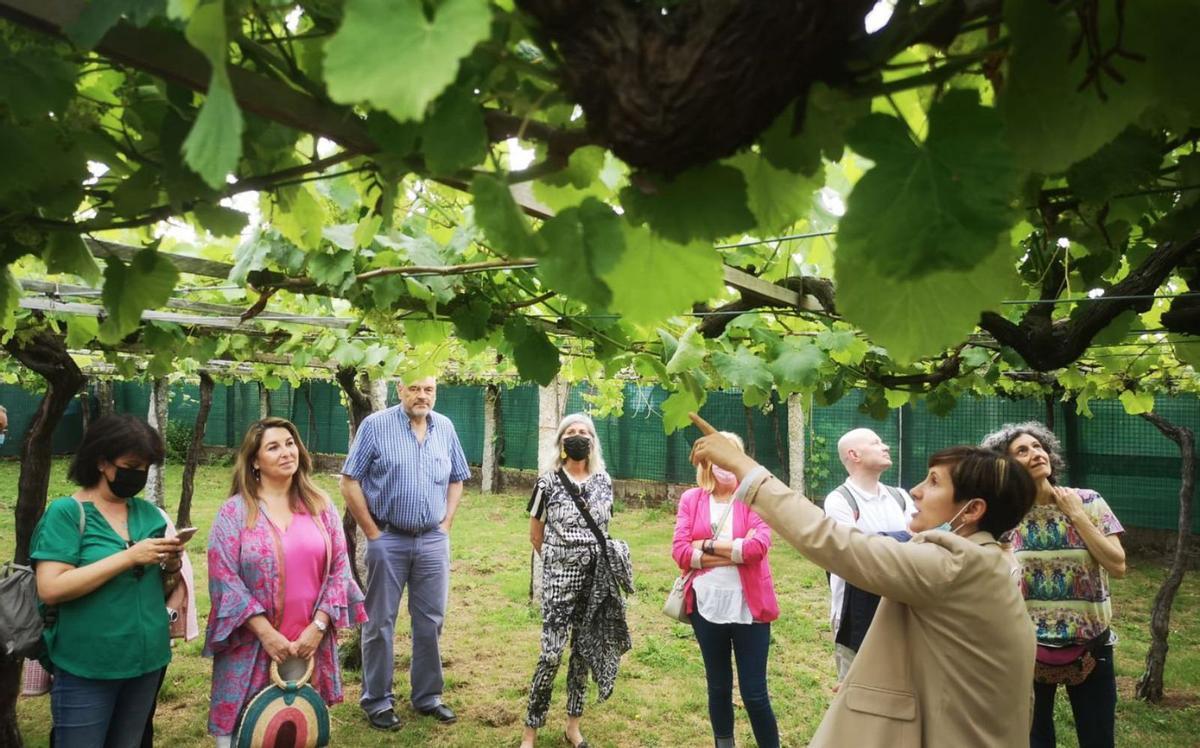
575, 494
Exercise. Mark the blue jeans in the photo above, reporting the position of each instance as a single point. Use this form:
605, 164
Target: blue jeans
420, 564
1093, 704
93, 713
750, 643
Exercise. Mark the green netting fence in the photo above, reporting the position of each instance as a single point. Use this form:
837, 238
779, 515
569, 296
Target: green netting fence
1122, 457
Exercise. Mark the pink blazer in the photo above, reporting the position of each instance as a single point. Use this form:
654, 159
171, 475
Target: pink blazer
692, 522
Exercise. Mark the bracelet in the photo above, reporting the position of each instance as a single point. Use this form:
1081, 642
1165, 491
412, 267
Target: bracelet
707, 547
321, 625
174, 570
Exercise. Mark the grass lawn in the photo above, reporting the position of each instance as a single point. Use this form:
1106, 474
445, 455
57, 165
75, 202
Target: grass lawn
490, 645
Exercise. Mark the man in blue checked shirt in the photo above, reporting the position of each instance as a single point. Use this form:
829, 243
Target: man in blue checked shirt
402, 482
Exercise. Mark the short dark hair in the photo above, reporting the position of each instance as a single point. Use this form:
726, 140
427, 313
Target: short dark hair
112, 436
1002, 483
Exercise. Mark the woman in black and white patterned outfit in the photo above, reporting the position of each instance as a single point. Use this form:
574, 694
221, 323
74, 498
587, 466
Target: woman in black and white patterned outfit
570, 558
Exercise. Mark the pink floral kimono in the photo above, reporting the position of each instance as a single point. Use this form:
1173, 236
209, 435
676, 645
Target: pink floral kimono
245, 579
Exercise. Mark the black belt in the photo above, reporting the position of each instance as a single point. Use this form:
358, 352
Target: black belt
398, 530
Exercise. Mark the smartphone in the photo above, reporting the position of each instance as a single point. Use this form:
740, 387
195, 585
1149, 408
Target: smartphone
185, 534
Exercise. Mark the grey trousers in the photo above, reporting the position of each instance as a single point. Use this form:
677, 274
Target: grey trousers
422, 564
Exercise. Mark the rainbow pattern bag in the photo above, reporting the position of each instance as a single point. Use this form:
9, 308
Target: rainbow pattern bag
288, 713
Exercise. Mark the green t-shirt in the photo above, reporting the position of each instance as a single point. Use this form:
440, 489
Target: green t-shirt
120, 629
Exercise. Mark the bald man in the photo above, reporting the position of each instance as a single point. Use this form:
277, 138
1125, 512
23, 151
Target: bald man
865, 503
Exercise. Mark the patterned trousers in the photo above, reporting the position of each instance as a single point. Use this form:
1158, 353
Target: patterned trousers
566, 583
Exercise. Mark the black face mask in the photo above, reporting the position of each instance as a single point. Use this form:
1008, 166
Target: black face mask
577, 447
129, 482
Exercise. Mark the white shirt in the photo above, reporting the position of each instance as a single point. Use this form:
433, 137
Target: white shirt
877, 513
719, 595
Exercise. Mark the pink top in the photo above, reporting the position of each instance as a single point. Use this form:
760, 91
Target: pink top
303, 566
693, 522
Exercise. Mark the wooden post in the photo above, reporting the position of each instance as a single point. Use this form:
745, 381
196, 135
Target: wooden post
378, 389
491, 467
156, 416
552, 405
104, 393
264, 401
796, 436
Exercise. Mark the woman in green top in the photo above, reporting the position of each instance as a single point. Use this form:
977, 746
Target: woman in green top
102, 562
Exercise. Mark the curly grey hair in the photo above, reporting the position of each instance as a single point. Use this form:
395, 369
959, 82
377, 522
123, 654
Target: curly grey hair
1000, 439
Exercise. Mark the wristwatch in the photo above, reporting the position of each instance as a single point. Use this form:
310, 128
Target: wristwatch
321, 625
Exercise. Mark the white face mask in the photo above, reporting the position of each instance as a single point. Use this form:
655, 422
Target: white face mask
949, 526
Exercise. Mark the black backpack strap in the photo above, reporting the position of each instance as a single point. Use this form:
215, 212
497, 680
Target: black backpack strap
848, 495
575, 494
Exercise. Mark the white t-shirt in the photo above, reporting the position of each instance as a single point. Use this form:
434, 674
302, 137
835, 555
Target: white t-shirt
719, 595
877, 512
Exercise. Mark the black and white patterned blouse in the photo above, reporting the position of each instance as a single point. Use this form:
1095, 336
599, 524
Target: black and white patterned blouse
551, 504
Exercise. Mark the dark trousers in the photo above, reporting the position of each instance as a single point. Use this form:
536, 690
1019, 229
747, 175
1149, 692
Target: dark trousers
1093, 703
749, 644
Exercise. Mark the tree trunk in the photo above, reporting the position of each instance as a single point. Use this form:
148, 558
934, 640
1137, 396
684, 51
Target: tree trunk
156, 416
360, 408
45, 355
356, 542
184, 518
1150, 685
264, 401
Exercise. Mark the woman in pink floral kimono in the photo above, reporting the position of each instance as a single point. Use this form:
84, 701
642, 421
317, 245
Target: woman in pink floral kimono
279, 575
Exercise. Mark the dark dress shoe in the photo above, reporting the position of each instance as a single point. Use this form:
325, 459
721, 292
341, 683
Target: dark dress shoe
441, 713
385, 720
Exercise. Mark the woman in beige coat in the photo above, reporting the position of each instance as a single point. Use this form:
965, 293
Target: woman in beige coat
948, 660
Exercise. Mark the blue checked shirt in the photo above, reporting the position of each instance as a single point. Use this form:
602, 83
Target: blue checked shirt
405, 481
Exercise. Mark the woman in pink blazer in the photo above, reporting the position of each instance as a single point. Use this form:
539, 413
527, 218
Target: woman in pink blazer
722, 547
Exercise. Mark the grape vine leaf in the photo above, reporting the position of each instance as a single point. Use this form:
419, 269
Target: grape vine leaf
797, 368
584, 243
777, 197
702, 203
828, 114
472, 318
743, 369
675, 410
397, 57
1128, 162
35, 81
1052, 120
214, 145
145, 283
82, 330
843, 346
1136, 403
937, 205
689, 353
10, 298
497, 215
656, 278
924, 316
454, 136
99, 16
66, 253
332, 270
535, 356
219, 220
